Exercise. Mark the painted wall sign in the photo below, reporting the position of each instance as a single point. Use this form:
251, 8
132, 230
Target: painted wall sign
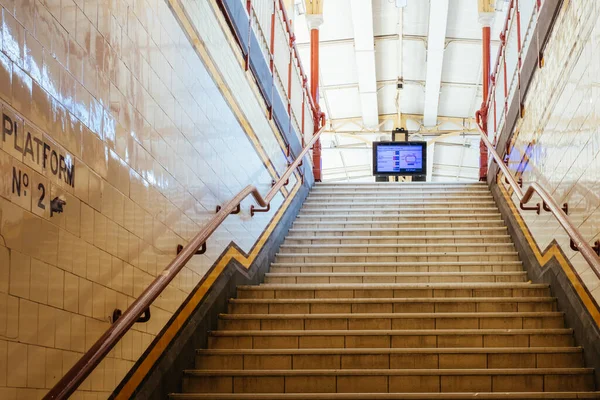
40, 152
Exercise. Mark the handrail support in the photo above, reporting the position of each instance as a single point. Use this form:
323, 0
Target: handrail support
565, 207
254, 210
536, 208
235, 211
201, 250
145, 317
595, 247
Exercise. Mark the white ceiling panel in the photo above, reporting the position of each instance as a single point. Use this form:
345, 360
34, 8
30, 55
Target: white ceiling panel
344, 103
386, 96
385, 17
337, 25
386, 54
414, 55
462, 63
416, 18
456, 101
338, 64
412, 98
463, 19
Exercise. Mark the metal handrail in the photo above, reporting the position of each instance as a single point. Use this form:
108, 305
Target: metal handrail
86, 364
577, 239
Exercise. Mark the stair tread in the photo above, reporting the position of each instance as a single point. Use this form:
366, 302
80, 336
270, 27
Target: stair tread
379, 300
397, 263
381, 274
437, 221
380, 245
511, 314
458, 228
397, 350
411, 209
386, 332
407, 254
391, 396
389, 237
380, 372
361, 286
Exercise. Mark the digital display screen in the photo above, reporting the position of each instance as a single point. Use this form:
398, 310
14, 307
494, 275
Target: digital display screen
399, 158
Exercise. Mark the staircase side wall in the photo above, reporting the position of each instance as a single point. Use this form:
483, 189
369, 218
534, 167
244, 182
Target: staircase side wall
550, 265
141, 117
166, 375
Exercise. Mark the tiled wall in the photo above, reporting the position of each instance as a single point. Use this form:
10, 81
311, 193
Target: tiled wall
107, 105
558, 141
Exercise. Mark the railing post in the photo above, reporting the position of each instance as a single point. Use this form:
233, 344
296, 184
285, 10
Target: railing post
272, 58
249, 10
486, 17
314, 22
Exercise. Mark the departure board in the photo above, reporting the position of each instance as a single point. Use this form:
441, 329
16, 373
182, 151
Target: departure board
399, 158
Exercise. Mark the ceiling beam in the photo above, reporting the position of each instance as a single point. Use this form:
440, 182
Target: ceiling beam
364, 51
395, 36
334, 42
438, 19
448, 40
390, 82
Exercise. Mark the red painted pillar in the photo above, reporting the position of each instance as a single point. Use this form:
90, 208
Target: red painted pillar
483, 152
314, 91
486, 17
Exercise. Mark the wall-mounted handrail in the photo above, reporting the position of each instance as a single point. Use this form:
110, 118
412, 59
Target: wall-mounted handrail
577, 239
86, 364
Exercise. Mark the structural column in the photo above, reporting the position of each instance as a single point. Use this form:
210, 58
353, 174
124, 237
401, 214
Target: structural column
486, 18
314, 17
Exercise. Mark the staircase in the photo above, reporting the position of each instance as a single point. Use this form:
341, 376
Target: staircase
393, 291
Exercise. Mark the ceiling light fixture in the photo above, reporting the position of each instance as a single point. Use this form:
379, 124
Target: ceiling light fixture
401, 3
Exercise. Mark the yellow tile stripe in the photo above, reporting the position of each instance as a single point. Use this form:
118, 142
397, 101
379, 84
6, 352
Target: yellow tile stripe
232, 253
553, 251
195, 298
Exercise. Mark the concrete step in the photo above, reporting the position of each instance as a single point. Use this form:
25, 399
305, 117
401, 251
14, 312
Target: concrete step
394, 358
389, 380
389, 239
371, 290
400, 256
368, 267
307, 230
400, 199
438, 338
400, 248
414, 225
396, 277
401, 185
397, 217
389, 396
424, 207
386, 321
389, 305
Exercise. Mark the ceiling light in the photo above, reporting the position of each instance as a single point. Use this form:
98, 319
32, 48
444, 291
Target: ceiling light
401, 3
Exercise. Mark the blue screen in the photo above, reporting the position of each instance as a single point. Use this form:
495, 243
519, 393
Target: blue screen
399, 158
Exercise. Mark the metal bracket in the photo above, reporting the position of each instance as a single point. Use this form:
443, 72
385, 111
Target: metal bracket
537, 208
565, 207
257, 210
595, 247
519, 182
202, 249
145, 317
287, 181
236, 211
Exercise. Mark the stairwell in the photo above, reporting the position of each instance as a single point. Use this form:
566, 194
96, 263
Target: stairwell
393, 291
